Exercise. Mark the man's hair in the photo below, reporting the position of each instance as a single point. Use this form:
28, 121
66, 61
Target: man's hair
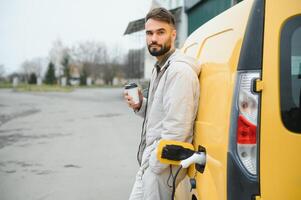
161, 14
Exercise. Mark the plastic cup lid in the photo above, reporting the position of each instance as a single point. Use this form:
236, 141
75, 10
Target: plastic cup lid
130, 85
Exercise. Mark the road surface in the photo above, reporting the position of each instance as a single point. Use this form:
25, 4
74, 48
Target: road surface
67, 146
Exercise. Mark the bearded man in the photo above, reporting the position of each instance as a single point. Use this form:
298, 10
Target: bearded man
169, 110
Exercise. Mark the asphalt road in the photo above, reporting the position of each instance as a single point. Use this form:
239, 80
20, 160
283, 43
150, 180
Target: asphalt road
67, 146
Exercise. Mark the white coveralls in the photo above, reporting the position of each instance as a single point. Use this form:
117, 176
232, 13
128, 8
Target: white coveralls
171, 111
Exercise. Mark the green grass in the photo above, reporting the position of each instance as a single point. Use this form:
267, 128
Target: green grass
5, 85
50, 88
99, 86
42, 88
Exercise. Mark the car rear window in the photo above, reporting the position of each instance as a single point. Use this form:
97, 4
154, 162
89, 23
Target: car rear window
290, 74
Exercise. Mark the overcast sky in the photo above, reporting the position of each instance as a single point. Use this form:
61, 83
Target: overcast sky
29, 27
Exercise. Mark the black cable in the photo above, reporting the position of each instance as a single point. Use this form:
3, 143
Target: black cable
170, 176
174, 184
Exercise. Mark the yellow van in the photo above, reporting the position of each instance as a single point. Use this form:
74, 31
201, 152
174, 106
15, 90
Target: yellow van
249, 117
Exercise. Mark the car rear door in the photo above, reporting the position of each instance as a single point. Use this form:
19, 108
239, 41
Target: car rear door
280, 135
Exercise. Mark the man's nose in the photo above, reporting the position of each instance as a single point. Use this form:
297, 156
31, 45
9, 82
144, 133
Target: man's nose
154, 38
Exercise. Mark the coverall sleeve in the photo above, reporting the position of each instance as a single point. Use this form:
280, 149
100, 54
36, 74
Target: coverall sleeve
179, 105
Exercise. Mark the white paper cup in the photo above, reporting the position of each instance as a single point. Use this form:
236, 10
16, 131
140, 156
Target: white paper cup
132, 90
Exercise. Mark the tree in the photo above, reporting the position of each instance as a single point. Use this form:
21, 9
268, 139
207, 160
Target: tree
83, 77
89, 52
33, 66
2, 72
91, 56
65, 63
32, 78
50, 74
87, 59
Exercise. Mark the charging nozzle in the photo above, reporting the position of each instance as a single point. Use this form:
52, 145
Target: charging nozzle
196, 158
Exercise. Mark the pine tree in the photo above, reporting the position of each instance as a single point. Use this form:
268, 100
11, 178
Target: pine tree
32, 78
50, 74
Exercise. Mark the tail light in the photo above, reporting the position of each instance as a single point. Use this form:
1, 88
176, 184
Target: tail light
247, 123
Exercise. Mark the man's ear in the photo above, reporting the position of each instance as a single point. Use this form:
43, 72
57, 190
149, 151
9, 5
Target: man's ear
174, 34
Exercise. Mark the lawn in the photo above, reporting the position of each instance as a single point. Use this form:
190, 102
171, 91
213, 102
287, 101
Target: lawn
36, 88
49, 88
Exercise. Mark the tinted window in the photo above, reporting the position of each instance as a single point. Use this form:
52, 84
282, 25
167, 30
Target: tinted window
290, 77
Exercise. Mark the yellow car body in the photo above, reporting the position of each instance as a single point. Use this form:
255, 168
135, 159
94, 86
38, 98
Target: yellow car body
263, 38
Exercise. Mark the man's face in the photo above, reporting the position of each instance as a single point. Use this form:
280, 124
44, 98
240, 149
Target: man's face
160, 37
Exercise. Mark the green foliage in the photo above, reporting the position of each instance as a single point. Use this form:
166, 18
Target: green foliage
50, 74
65, 63
32, 78
83, 77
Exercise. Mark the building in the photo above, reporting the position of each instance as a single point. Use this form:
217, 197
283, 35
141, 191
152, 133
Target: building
200, 11
135, 65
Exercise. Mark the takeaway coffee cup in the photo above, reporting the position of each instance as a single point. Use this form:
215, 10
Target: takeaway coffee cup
132, 89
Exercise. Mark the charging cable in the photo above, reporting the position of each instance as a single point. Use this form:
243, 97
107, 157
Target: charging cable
174, 184
196, 158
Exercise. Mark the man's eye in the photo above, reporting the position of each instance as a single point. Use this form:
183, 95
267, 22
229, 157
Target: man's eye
161, 32
148, 33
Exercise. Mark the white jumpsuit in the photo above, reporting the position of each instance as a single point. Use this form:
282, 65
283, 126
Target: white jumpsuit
170, 115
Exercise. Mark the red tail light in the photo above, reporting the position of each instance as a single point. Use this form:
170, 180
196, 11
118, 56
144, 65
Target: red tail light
246, 131
247, 104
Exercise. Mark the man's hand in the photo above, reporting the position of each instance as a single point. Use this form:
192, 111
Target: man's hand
130, 102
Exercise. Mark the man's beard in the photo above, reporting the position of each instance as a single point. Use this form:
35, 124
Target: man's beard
160, 50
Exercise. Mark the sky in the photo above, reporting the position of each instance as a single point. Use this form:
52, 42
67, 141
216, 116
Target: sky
28, 28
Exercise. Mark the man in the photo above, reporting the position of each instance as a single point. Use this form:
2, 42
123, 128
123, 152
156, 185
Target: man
170, 109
